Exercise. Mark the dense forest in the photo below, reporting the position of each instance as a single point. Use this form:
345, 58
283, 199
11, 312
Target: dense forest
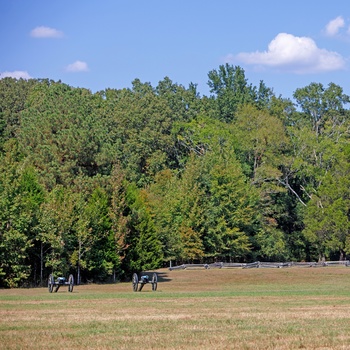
104, 184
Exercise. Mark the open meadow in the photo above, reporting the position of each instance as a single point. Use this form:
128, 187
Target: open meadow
288, 308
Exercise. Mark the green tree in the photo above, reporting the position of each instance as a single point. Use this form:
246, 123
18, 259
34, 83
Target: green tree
144, 250
167, 207
327, 224
13, 98
319, 103
71, 132
319, 138
190, 208
55, 226
142, 129
230, 211
231, 90
20, 199
118, 212
91, 230
208, 208
101, 262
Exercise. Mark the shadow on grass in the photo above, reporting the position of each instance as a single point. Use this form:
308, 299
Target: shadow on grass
161, 276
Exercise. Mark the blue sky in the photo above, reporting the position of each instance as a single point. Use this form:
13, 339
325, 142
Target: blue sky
108, 43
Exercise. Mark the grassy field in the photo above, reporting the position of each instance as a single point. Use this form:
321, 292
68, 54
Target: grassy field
291, 308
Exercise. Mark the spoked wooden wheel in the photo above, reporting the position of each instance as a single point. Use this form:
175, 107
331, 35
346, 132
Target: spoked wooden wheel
154, 282
135, 281
50, 283
70, 283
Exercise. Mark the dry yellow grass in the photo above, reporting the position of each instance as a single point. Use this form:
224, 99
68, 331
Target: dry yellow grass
295, 308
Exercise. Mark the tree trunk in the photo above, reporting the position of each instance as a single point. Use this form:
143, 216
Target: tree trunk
79, 257
78, 274
41, 263
321, 258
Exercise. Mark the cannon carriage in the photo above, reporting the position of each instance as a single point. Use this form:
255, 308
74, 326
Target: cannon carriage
54, 285
138, 283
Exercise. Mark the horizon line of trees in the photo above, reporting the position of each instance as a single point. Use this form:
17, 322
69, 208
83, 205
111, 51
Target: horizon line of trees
105, 184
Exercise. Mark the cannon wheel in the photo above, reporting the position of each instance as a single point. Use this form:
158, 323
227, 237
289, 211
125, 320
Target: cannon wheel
154, 282
70, 283
135, 281
50, 283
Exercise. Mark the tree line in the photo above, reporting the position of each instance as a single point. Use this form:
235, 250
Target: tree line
104, 184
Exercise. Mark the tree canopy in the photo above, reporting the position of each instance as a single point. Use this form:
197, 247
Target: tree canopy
104, 184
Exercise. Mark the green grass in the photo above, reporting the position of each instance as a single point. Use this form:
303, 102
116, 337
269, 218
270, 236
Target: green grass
292, 308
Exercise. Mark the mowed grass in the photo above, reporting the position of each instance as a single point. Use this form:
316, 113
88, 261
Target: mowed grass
290, 308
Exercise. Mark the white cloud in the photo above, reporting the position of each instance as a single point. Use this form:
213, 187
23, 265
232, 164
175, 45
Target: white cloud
15, 74
77, 66
333, 26
293, 54
46, 32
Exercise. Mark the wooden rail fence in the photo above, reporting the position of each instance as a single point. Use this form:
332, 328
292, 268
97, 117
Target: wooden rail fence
259, 264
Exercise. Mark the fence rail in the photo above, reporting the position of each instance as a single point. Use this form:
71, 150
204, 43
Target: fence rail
259, 264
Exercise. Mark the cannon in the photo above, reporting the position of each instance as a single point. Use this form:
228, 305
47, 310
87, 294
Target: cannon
60, 281
137, 284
